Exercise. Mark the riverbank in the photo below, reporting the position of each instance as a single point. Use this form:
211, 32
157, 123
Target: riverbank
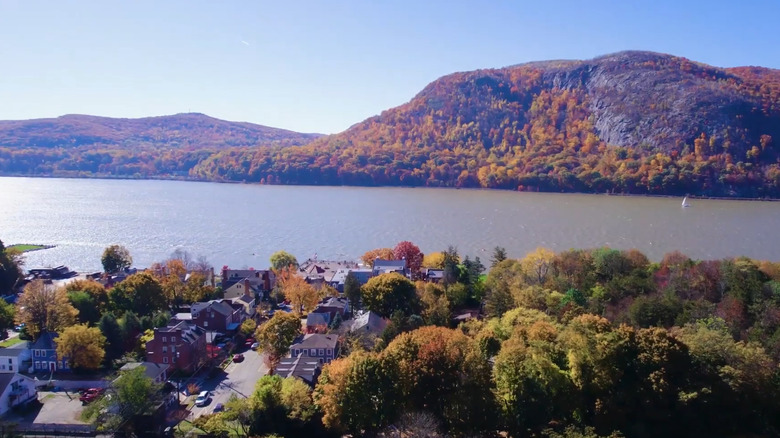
223, 181
28, 247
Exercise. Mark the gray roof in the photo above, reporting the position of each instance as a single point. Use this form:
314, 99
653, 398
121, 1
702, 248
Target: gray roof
369, 321
317, 341
337, 302
219, 306
392, 264
45, 342
189, 331
5, 380
152, 370
318, 319
302, 367
11, 352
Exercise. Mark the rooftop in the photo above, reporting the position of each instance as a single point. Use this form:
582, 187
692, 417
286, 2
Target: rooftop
317, 341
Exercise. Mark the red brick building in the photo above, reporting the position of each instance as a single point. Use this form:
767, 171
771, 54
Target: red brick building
182, 345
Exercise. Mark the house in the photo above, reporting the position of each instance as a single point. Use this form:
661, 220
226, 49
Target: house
332, 306
11, 359
217, 315
302, 367
44, 354
155, 371
245, 294
433, 275
317, 322
15, 390
387, 266
181, 344
318, 272
340, 277
325, 348
263, 280
368, 323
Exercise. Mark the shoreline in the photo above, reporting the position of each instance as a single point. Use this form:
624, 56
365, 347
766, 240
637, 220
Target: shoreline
37, 247
188, 179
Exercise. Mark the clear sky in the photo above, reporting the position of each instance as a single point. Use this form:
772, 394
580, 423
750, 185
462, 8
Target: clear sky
321, 66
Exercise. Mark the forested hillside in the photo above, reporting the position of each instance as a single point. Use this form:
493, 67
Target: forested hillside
631, 122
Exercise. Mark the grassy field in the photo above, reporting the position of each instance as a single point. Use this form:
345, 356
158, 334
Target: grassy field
12, 341
26, 247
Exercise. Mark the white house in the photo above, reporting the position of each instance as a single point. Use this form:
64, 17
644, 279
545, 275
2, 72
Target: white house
11, 359
15, 390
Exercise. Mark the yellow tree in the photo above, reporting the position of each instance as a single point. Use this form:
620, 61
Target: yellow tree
82, 346
42, 307
536, 265
301, 294
434, 260
379, 253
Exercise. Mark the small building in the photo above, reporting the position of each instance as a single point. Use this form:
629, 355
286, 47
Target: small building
15, 390
44, 354
368, 323
302, 367
317, 322
387, 266
362, 275
262, 280
324, 348
181, 344
13, 359
217, 315
433, 275
332, 306
155, 371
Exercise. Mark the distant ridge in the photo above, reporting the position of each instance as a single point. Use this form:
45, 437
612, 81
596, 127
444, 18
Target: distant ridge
188, 130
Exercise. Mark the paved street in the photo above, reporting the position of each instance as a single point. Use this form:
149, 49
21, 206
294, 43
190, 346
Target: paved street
240, 380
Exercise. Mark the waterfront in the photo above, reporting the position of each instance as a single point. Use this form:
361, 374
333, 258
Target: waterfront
241, 225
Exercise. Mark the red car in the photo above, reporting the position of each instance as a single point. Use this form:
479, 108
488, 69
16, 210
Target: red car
238, 358
90, 395
249, 342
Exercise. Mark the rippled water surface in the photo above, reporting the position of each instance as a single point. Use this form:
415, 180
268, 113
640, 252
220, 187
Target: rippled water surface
241, 225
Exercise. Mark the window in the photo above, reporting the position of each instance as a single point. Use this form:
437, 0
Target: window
173, 338
322, 352
330, 352
62, 365
10, 367
35, 353
205, 323
9, 360
165, 349
173, 349
313, 352
37, 364
165, 339
165, 359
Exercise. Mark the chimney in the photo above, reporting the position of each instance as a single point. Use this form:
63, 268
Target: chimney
247, 288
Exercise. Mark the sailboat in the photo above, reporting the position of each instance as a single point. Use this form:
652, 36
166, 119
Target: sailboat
685, 202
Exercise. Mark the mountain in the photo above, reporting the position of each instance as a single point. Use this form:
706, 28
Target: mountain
190, 131
630, 122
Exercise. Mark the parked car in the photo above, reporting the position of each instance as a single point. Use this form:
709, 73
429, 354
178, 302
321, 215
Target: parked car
249, 342
255, 346
203, 398
219, 407
20, 327
90, 395
238, 357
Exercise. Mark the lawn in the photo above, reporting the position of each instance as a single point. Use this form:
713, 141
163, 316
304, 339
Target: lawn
25, 247
11, 341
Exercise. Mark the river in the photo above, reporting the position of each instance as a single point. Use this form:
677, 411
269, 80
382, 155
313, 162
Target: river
240, 225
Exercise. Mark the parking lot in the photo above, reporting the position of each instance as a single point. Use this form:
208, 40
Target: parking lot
51, 408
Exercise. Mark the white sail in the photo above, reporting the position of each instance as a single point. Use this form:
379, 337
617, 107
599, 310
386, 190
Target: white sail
685, 202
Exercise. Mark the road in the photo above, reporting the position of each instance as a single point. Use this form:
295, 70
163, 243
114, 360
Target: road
240, 380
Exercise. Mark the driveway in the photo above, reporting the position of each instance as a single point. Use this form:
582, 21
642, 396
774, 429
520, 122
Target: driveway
51, 408
240, 379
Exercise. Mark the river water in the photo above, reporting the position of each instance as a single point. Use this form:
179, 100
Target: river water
241, 225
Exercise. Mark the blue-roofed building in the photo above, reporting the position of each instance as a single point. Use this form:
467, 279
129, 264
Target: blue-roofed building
44, 354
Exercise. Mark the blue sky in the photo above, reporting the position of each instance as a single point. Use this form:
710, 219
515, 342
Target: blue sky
322, 66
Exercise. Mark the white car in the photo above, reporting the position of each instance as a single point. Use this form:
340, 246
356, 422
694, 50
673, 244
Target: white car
203, 398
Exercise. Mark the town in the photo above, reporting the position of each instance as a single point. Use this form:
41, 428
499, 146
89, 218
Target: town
197, 336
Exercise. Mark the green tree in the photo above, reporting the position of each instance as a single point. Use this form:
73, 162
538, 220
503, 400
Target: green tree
499, 255
140, 293
115, 258
7, 315
136, 393
450, 263
10, 269
283, 259
82, 345
131, 327
110, 329
501, 284
248, 327
352, 291
277, 334
86, 306
386, 293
